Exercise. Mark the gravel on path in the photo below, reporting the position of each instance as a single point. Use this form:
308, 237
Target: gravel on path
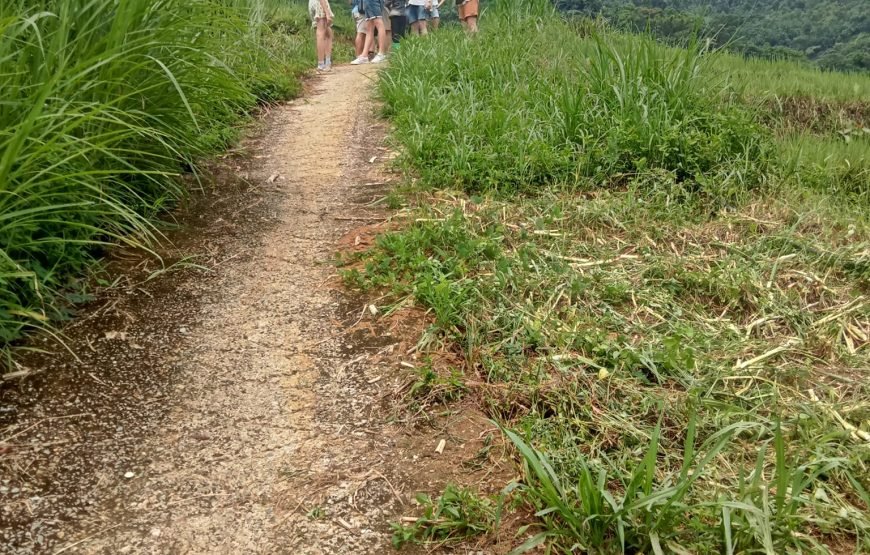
231, 414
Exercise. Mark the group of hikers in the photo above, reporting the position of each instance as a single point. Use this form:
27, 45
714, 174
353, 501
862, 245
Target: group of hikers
386, 21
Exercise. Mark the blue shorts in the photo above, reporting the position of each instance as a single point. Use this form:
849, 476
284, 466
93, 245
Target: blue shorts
417, 13
433, 13
373, 8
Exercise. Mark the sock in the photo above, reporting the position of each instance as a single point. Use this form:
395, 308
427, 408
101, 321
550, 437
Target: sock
329, 60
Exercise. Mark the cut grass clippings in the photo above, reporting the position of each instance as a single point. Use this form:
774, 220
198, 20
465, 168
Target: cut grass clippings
674, 337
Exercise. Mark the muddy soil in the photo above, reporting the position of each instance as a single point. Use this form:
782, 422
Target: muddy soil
247, 408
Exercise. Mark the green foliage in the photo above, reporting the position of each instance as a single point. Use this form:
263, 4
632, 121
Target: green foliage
836, 165
833, 33
104, 104
635, 514
638, 512
457, 514
572, 110
592, 346
434, 388
677, 352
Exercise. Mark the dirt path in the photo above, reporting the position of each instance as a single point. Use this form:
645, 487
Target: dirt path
262, 430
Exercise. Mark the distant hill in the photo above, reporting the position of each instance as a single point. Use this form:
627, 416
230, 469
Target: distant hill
834, 34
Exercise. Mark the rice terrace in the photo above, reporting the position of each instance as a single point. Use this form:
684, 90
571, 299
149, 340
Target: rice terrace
473, 277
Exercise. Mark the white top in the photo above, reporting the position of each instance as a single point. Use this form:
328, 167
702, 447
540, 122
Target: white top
418, 2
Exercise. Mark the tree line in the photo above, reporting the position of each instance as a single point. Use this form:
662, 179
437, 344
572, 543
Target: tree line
834, 34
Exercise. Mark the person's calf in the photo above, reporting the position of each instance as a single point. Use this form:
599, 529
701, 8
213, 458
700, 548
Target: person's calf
320, 39
382, 35
359, 43
330, 36
370, 36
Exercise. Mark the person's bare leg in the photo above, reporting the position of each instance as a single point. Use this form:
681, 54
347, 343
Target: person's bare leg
388, 37
329, 39
370, 36
382, 35
359, 43
424, 27
436, 22
321, 41
471, 23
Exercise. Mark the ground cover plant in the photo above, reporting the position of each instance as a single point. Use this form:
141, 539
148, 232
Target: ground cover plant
104, 104
658, 292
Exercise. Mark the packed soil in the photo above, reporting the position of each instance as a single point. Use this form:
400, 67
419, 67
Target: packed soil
235, 398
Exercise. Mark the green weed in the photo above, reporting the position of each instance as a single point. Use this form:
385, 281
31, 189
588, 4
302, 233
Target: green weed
455, 515
434, 388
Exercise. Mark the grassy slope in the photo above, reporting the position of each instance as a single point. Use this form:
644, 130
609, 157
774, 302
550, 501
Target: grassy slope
104, 104
658, 288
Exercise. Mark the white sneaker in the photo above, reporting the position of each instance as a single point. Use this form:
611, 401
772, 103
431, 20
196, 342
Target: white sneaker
361, 60
380, 58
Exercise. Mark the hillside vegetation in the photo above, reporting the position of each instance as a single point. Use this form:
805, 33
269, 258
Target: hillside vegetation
654, 266
104, 104
835, 34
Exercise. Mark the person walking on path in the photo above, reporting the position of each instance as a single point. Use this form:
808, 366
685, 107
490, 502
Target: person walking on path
418, 14
374, 10
469, 10
322, 16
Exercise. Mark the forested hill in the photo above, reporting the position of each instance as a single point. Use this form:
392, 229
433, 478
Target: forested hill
834, 34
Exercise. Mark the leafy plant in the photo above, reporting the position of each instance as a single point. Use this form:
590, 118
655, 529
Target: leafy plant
457, 514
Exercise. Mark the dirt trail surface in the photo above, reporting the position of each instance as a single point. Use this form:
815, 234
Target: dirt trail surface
233, 412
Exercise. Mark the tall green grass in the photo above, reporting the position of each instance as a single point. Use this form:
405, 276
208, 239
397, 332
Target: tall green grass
570, 109
780, 78
102, 104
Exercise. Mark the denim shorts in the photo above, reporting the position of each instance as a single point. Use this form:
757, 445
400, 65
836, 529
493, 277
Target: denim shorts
433, 13
417, 13
373, 8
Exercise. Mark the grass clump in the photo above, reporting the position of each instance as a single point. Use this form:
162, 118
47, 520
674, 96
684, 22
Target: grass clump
572, 110
104, 104
674, 337
456, 515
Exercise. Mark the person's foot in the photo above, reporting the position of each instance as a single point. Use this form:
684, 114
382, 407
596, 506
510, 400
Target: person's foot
320, 66
379, 59
327, 66
359, 61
